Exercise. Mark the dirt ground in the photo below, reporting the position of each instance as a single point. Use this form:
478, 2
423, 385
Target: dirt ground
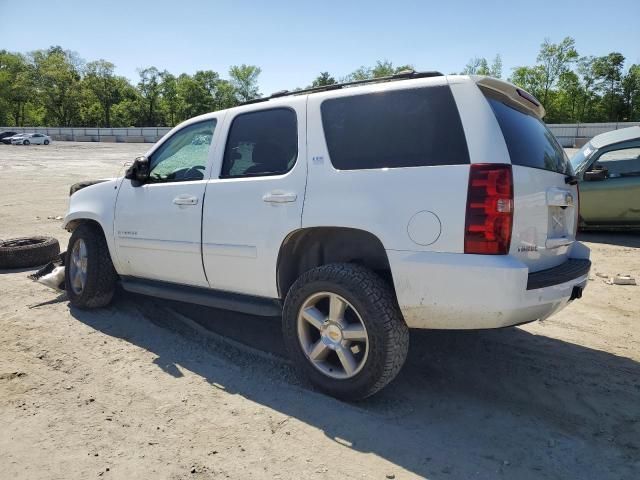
153, 389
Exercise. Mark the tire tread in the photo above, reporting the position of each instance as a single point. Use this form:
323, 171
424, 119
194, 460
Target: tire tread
101, 280
379, 297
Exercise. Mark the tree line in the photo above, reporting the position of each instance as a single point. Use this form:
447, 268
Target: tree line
56, 87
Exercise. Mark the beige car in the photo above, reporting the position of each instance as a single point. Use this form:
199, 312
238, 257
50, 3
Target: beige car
608, 169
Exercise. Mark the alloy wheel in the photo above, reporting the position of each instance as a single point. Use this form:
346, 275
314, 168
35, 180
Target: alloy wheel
332, 335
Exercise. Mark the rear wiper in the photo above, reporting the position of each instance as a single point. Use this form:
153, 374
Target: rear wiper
571, 180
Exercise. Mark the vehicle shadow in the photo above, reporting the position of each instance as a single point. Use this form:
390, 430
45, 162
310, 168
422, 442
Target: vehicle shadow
622, 239
480, 404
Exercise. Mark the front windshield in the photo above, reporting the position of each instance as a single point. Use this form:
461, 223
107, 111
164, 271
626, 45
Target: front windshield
581, 157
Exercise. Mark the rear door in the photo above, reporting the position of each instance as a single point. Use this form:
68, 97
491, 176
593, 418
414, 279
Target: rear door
545, 204
254, 197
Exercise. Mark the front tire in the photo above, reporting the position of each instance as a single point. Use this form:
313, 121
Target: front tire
89, 277
344, 331
26, 142
46, 142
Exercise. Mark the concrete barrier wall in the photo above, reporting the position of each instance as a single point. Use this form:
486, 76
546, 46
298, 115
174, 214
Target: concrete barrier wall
568, 134
121, 135
577, 134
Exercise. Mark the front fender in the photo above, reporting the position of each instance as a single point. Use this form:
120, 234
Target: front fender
95, 203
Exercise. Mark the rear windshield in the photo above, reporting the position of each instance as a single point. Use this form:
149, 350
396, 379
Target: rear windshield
530, 142
401, 128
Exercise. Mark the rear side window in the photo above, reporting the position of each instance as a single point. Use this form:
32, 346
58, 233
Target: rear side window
261, 143
393, 129
529, 141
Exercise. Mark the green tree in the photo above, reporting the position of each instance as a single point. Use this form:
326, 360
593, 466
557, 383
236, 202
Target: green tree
532, 79
244, 79
588, 85
107, 88
608, 69
323, 80
477, 66
57, 76
225, 95
631, 93
149, 88
569, 95
555, 59
170, 99
496, 67
382, 68
16, 89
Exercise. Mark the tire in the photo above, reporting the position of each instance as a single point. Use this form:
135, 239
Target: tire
99, 275
28, 251
46, 142
372, 302
26, 142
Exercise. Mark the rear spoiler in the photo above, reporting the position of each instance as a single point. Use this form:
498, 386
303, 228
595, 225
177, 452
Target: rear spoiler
516, 94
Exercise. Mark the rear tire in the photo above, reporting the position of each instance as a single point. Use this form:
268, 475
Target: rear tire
89, 278
372, 361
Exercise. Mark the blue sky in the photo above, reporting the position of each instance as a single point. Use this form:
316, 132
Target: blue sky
293, 41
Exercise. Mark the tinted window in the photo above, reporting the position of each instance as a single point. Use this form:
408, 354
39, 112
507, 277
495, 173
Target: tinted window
261, 143
529, 141
402, 128
183, 156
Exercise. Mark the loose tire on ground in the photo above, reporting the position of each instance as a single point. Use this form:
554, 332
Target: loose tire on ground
99, 275
28, 251
375, 305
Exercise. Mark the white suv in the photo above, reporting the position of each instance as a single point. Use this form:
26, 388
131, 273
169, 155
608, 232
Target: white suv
354, 211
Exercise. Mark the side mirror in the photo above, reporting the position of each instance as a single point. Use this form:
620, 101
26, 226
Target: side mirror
595, 175
138, 172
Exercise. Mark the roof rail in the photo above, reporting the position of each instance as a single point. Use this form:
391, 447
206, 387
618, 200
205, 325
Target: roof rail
403, 75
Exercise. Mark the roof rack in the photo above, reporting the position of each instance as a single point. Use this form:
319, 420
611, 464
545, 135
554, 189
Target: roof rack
403, 75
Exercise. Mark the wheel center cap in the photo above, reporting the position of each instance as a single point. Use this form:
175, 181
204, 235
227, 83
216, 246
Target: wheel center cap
333, 333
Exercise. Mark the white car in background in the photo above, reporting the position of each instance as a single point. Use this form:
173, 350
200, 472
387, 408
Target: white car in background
31, 138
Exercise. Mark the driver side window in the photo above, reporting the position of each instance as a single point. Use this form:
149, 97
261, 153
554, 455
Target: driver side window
624, 162
183, 157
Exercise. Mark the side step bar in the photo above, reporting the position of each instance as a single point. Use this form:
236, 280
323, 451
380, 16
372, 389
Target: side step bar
261, 306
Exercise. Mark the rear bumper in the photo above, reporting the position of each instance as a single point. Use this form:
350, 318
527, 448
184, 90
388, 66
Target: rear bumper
457, 291
565, 272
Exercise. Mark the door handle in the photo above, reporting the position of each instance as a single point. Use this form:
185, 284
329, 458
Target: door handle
185, 200
280, 197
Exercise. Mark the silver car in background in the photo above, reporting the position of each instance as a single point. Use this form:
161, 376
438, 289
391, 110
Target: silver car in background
31, 138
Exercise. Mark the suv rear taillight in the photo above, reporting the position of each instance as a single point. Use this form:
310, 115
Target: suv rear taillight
489, 209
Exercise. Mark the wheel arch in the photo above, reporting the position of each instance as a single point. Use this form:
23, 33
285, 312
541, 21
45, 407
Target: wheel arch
312, 247
71, 225
72, 222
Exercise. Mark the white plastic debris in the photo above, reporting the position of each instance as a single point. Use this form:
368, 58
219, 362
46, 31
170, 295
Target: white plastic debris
54, 280
621, 279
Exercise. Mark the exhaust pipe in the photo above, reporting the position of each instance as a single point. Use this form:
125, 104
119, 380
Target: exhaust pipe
576, 293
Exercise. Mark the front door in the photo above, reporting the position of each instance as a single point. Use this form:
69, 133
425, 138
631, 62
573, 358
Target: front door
613, 198
157, 224
256, 199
